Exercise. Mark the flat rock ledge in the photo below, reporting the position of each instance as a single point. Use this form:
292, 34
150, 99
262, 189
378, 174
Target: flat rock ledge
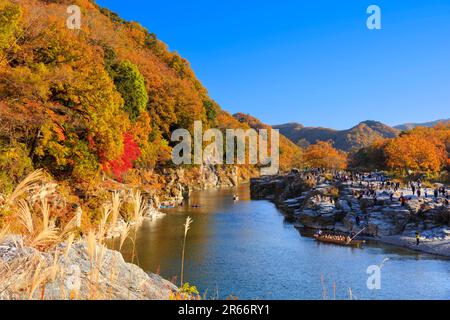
70, 274
436, 247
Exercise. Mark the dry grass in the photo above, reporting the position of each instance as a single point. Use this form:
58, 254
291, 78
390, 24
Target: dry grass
3, 233
325, 290
25, 186
138, 207
116, 203
29, 215
187, 226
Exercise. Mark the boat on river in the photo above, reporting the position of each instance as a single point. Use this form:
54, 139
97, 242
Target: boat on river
166, 207
353, 243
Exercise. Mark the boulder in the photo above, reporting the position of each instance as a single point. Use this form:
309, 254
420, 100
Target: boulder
317, 219
381, 227
343, 205
340, 227
413, 206
111, 277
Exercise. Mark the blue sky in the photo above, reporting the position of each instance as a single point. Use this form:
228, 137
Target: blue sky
313, 62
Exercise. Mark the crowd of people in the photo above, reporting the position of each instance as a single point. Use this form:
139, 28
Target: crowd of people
368, 185
334, 237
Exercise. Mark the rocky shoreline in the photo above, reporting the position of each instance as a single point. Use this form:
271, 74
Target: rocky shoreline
178, 183
437, 247
339, 206
69, 272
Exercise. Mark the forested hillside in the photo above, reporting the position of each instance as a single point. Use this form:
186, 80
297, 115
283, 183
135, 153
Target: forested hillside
92, 102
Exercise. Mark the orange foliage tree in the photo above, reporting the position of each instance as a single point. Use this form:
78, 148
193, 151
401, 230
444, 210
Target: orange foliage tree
418, 150
324, 155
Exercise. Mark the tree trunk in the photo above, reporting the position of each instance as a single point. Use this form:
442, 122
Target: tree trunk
34, 145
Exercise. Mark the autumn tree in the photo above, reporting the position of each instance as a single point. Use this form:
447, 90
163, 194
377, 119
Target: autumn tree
416, 152
122, 164
323, 155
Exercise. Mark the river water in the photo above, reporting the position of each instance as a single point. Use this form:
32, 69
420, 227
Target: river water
248, 250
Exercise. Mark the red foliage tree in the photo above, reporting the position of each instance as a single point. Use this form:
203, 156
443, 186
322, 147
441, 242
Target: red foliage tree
131, 152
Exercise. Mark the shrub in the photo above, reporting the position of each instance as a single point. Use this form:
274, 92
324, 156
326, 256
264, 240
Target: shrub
14, 165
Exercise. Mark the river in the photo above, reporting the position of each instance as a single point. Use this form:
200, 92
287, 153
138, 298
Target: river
248, 250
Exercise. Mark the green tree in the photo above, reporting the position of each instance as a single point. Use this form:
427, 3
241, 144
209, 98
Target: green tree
210, 109
10, 15
131, 85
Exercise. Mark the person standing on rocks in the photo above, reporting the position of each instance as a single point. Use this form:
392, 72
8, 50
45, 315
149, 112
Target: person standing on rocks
417, 238
402, 200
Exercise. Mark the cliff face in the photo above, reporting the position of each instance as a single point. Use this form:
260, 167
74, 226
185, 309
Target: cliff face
181, 181
175, 184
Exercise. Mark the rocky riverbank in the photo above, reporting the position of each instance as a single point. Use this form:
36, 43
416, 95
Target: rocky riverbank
323, 202
74, 272
173, 185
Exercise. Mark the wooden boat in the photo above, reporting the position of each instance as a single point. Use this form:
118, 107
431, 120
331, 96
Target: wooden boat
356, 243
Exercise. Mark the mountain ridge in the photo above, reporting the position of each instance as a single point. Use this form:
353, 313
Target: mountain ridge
411, 125
355, 137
